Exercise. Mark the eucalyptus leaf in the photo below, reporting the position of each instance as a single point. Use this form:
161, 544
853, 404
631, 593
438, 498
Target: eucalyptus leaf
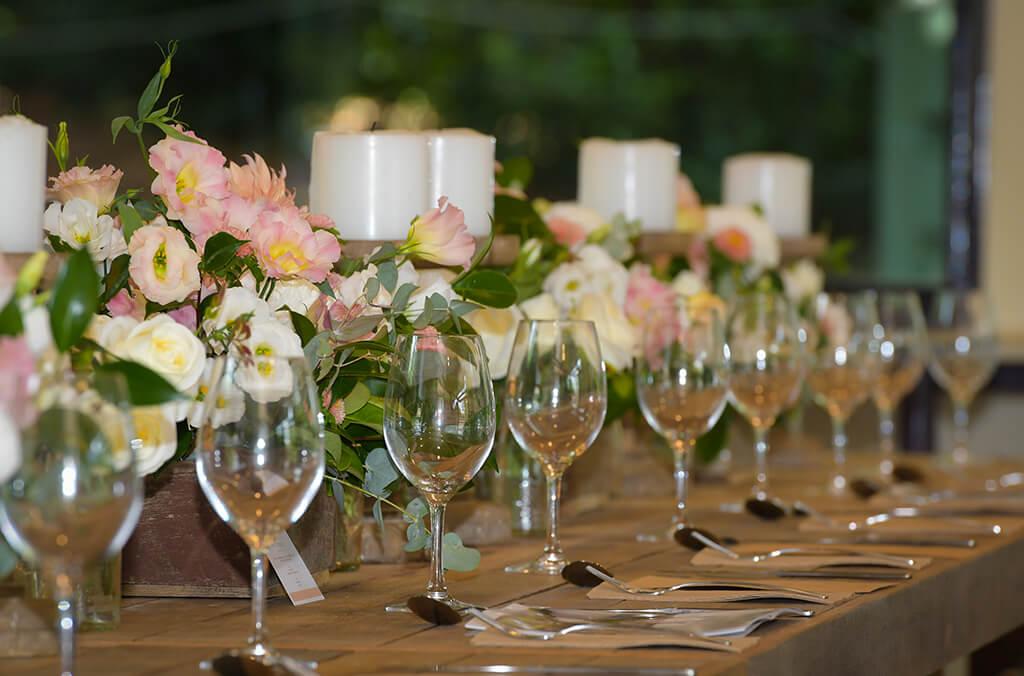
378, 515
75, 300
371, 289
380, 473
401, 298
457, 556
358, 327
417, 509
417, 536
387, 273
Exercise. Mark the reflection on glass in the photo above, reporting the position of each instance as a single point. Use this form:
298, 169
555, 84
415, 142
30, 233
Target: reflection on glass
767, 360
555, 402
681, 384
260, 461
439, 425
962, 332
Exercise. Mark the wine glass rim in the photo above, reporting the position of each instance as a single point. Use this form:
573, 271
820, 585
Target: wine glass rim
557, 322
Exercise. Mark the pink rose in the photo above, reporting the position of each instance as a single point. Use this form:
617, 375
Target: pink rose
188, 174
17, 368
256, 182
317, 221
734, 244
647, 297
440, 236
123, 304
162, 265
567, 233
98, 186
233, 215
287, 246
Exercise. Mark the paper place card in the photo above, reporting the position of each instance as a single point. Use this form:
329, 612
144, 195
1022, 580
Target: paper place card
298, 582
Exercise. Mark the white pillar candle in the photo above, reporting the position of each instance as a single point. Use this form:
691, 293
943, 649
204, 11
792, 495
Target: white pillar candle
372, 184
634, 178
462, 168
22, 184
778, 183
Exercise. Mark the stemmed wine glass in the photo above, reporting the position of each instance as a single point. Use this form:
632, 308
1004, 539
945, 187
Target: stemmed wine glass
902, 355
768, 360
682, 382
76, 497
845, 365
555, 401
439, 425
260, 461
965, 354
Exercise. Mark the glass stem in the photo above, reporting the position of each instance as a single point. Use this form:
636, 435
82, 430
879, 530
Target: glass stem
839, 455
887, 433
761, 461
437, 588
64, 590
258, 638
961, 422
682, 452
552, 548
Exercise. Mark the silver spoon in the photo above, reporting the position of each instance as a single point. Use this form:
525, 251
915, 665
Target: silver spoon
710, 585
879, 559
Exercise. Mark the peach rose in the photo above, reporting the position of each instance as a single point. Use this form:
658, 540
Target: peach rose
98, 186
162, 265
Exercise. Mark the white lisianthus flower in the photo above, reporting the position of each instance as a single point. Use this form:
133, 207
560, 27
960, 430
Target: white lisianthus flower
606, 274
78, 224
269, 377
431, 282
228, 408
802, 280
688, 283
297, 295
407, 274
615, 333
166, 347
10, 447
236, 301
157, 435
541, 306
567, 284
765, 250
497, 329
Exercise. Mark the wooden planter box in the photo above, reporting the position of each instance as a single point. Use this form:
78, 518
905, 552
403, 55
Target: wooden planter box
182, 548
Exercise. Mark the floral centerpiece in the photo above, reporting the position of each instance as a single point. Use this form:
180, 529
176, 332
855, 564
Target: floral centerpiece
218, 253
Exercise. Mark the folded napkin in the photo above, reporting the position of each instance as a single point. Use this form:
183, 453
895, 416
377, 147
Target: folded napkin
612, 640
710, 557
834, 594
967, 505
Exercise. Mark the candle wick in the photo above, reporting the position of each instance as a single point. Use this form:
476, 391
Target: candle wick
373, 127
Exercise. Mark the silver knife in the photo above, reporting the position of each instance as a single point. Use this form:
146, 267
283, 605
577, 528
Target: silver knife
899, 540
831, 574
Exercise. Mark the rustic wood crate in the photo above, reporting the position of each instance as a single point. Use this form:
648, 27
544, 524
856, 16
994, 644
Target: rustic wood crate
182, 548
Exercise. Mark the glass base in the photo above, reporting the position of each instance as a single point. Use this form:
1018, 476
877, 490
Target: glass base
244, 660
446, 599
667, 535
545, 565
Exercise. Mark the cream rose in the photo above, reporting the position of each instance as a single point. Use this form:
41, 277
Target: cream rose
615, 333
688, 283
541, 306
157, 434
168, 348
802, 280
229, 406
497, 330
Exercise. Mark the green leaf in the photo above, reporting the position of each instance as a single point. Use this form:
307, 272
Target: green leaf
31, 273
387, 273
357, 398
149, 96
61, 147
371, 415
515, 172
487, 287
131, 220
417, 536
478, 255
74, 301
10, 319
220, 251
303, 327
371, 289
175, 134
380, 473
417, 509
457, 556
145, 386
116, 278
386, 251
461, 307
401, 298
326, 289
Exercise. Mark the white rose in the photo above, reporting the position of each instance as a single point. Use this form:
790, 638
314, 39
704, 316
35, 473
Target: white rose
168, 348
157, 436
567, 284
606, 274
297, 295
229, 407
541, 306
10, 447
270, 377
431, 282
497, 330
236, 301
764, 242
615, 333
803, 280
688, 283
111, 334
78, 224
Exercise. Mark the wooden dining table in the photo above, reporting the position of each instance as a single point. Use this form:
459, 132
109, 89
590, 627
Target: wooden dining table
947, 610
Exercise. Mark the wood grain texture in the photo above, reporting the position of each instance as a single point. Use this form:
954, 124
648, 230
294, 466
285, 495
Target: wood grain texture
652, 244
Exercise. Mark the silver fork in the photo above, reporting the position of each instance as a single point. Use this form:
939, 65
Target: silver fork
520, 631
868, 558
708, 584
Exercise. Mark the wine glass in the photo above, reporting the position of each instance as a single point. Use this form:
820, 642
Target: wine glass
260, 461
76, 497
439, 425
845, 365
767, 348
555, 401
682, 383
962, 332
902, 355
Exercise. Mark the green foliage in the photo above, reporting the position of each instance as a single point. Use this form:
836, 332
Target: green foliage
131, 220
74, 301
145, 387
116, 279
61, 147
220, 253
487, 287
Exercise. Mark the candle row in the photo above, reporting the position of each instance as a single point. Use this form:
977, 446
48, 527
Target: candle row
374, 184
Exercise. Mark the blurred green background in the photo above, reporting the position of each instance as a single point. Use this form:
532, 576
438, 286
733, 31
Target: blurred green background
859, 86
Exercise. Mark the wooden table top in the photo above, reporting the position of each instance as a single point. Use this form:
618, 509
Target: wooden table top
946, 611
